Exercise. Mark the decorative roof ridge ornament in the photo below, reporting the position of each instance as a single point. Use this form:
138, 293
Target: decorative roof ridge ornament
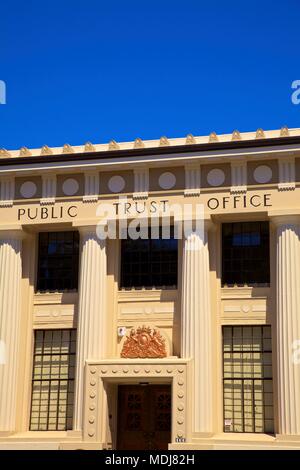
260, 134
113, 145
89, 147
46, 150
284, 131
236, 135
213, 137
144, 342
163, 141
4, 153
24, 152
138, 143
190, 139
67, 148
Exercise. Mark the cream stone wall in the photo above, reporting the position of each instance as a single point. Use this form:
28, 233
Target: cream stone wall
199, 304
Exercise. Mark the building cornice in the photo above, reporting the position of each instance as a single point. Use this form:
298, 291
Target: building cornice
175, 155
152, 151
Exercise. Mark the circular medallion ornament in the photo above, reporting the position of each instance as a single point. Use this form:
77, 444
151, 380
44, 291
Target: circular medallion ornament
262, 174
28, 189
116, 184
70, 187
215, 177
167, 180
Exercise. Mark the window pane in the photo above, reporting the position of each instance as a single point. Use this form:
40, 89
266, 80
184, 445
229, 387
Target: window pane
245, 253
149, 262
247, 375
58, 261
53, 380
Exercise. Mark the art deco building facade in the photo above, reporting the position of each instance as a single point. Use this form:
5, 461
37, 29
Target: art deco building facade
190, 341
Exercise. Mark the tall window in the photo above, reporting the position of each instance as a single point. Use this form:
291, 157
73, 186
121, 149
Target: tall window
58, 261
149, 262
53, 380
247, 375
245, 253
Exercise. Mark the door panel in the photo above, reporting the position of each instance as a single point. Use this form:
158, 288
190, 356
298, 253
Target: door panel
144, 417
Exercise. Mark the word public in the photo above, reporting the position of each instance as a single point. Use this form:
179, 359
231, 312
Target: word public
43, 213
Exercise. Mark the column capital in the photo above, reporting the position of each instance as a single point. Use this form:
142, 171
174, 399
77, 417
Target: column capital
89, 226
288, 217
11, 232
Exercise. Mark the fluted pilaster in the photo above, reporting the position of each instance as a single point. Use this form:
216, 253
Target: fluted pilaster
196, 326
288, 323
10, 307
91, 332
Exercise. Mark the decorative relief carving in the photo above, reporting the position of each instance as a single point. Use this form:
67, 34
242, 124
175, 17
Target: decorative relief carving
190, 139
163, 141
262, 174
116, 184
144, 343
7, 191
24, 152
28, 189
238, 177
91, 187
192, 180
113, 145
260, 134
54, 314
248, 309
236, 135
284, 131
216, 177
167, 180
68, 149
213, 137
4, 153
89, 147
70, 187
138, 143
141, 183
146, 306
287, 174
46, 150
48, 189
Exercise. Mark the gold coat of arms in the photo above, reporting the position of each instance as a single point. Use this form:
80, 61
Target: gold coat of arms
144, 343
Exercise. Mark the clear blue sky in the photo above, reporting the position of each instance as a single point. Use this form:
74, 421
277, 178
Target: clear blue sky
90, 70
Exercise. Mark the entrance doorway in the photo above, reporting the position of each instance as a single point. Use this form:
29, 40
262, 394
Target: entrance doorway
144, 417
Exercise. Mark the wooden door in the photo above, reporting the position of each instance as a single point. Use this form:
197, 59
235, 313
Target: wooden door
144, 417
